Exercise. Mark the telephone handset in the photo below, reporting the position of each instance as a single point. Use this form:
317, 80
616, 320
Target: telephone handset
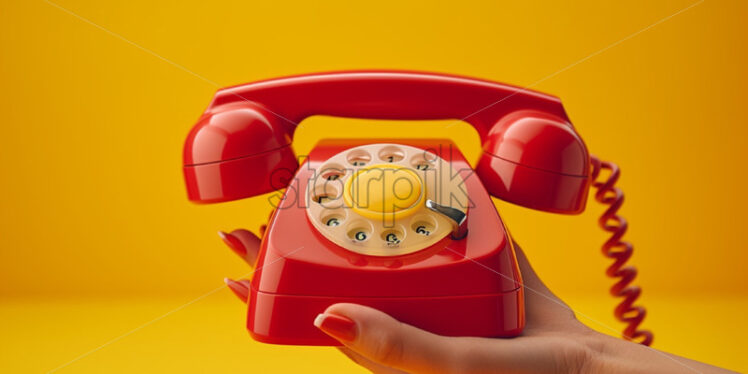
405, 226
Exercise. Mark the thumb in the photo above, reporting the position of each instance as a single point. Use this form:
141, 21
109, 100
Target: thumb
384, 340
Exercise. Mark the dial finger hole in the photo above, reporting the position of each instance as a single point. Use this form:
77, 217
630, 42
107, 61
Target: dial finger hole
393, 237
424, 160
332, 172
325, 193
358, 157
359, 231
423, 225
333, 219
391, 154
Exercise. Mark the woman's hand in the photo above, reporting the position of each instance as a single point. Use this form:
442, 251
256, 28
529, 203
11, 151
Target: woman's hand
553, 341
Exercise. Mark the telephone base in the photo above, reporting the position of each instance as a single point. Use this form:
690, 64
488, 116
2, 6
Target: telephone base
288, 319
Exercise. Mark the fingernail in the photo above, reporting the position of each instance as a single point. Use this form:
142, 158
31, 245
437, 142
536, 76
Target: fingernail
339, 327
240, 289
234, 243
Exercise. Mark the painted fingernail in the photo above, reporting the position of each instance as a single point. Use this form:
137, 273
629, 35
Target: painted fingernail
234, 243
339, 327
240, 289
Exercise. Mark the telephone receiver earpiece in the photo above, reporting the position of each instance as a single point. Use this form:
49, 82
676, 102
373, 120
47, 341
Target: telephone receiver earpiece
241, 146
536, 160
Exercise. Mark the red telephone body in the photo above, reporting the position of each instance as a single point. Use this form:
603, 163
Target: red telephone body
532, 156
446, 288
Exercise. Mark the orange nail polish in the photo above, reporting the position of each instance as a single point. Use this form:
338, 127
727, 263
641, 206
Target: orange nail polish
339, 327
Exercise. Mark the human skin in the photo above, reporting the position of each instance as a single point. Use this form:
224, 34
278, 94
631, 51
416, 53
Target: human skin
553, 340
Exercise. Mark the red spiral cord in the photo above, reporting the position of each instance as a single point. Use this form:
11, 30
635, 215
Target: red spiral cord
620, 251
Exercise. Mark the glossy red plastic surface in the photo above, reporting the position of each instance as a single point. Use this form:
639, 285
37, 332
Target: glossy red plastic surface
241, 177
520, 126
234, 131
493, 315
532, 156
540, 141
455, 287
532, 188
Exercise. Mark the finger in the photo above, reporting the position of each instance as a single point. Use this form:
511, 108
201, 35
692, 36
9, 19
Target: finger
386, 341
368, 364
244, 243
240, 288
544, 308
529, 277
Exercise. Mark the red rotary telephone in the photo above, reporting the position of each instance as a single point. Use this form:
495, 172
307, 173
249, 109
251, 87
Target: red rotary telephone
403, 225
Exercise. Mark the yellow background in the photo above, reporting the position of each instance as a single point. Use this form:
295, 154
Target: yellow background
97, 237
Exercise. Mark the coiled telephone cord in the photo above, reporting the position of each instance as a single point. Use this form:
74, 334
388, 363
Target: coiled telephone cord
620, 251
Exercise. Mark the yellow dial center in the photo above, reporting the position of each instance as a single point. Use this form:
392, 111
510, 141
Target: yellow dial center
384, 189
